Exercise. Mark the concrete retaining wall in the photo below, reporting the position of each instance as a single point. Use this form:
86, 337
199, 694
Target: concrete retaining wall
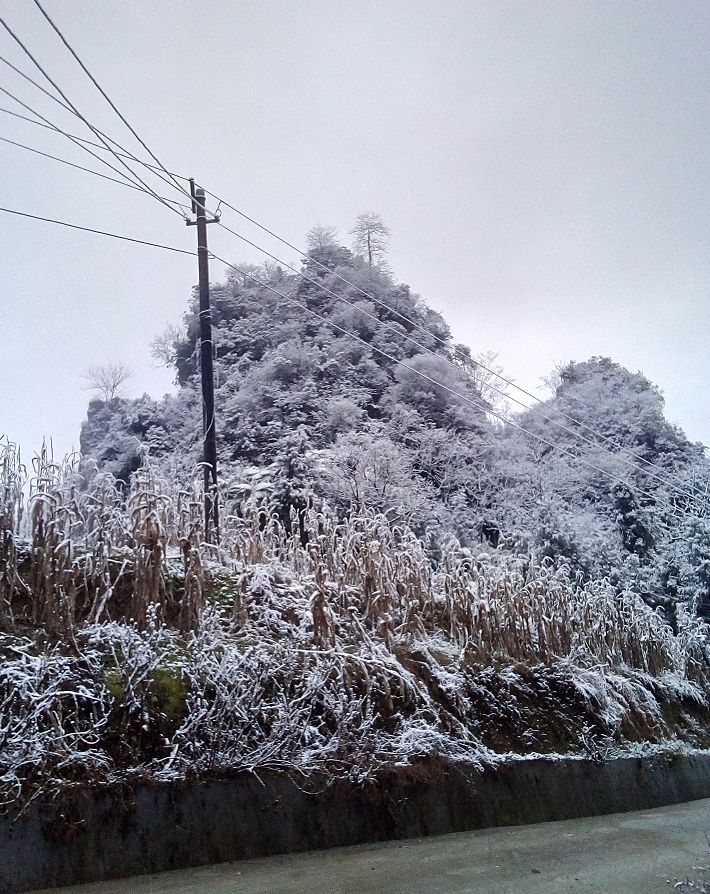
88, 837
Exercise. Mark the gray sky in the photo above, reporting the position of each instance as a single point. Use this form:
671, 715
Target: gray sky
543, 167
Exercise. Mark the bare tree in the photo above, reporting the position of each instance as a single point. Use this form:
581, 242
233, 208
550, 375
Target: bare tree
164, 347
371, 238
490, 379
107, 379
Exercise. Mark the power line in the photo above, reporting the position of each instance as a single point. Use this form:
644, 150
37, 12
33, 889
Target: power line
103, 92
52, 126
34, 83
634, 488
72, 164
46, 125
444, 358
64, 223
368, 295
68, 108
64, 105
78, 113
413, 323
77, 139
103, 146
67, 103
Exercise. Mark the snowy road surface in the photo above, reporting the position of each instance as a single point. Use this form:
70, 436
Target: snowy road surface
626, 853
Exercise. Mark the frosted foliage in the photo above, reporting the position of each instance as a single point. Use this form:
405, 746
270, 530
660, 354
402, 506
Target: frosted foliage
133, 650
52, 713
372, 472
599, 480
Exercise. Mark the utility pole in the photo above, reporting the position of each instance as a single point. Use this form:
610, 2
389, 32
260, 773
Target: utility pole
209, 431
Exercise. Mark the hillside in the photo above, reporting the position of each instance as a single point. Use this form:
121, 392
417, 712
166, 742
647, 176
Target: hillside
400, 420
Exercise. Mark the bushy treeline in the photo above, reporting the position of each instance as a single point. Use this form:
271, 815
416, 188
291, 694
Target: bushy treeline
306, 412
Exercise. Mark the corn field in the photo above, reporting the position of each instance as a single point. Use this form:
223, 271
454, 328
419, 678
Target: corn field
131, 649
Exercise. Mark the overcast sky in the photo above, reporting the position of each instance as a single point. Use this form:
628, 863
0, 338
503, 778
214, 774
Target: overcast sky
543, 168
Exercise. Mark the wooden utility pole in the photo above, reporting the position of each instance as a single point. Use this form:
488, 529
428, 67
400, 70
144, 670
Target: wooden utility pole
209, 431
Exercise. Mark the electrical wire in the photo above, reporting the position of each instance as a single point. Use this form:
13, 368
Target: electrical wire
555, 447
103, 92
86, 122
68, 108
413, 323
78, 139
446, 359
48, 123
120, 153
34, 83
64, 223
72, 164
45, 122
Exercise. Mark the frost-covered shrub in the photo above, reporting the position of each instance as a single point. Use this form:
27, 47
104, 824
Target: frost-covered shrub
54, 711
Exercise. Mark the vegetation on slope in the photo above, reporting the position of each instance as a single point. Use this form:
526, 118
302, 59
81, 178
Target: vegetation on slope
600, 480
133, 650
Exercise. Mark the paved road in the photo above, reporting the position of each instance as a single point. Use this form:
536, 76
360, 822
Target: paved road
626, 853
